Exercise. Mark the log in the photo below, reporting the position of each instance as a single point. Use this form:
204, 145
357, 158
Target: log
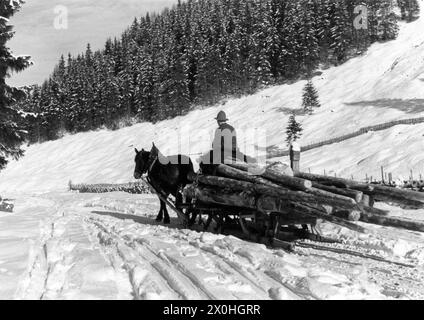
375, 211
320, 215
403, 203
342, 201
395, 222
210, 195
348, 215
323, 197
229, 172
399, 196
353, 194
263, 203
301, 210
336, 182
236, 185
406, 198
320, 198
276, 177
367, 201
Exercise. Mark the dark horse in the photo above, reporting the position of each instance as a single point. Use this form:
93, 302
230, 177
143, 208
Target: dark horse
167, 175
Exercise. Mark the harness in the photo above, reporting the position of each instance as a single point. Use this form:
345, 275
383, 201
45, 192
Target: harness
152, 161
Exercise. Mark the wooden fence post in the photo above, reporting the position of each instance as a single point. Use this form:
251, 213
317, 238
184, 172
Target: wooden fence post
295, 157
382, 174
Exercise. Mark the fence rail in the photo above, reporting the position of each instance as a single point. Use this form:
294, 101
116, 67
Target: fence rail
362, 131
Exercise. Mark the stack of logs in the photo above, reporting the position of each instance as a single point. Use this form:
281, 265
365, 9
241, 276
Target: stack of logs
303, 197
133, 188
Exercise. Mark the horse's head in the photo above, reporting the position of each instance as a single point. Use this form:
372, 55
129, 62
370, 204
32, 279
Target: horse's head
141, 163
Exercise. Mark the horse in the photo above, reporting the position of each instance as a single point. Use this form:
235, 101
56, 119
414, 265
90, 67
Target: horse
168, 175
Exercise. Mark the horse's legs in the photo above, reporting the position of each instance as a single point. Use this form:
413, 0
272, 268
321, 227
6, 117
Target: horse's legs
160, 214
192, 214
167, 219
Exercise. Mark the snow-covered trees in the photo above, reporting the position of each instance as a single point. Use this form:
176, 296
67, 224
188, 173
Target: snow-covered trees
410, 9
11, 132
310, 98
201, 51
294, 130
340, 31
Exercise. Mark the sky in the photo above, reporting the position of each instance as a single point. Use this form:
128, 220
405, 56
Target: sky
42, 33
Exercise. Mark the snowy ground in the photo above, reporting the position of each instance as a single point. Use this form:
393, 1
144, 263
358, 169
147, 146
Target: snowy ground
73, 246
59, 245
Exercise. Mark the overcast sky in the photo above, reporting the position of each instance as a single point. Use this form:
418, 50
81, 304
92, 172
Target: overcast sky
88, 21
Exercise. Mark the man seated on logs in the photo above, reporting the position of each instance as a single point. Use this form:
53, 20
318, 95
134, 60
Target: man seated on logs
224, 146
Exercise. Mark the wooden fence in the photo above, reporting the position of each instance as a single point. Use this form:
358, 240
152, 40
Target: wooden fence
133, 188
362, 131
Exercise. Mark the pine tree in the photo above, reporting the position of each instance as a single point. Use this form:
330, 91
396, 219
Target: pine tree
308, 34
11, 132
310, 98
263, 45
294, 130
387, 26
410, 9
414, 10
201, 51
340, 30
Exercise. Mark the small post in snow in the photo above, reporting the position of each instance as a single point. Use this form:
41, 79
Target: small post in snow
295, 151
382, 175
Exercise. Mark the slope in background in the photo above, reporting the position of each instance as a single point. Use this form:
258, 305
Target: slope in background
385, 84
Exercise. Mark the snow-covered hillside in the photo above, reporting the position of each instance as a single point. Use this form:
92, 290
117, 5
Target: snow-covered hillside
387, 83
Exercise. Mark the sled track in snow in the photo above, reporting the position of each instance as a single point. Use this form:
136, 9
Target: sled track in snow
170, 275
347, 250
175, 276
134, 258
337, 248
400, 279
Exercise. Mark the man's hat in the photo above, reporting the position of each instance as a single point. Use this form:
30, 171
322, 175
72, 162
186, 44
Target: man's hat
222, 117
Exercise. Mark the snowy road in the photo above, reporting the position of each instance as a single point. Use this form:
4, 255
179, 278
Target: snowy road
72, 246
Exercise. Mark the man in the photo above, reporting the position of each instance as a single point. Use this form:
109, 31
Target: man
224, 145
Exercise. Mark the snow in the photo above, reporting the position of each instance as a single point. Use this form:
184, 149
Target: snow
66, 246
60, 245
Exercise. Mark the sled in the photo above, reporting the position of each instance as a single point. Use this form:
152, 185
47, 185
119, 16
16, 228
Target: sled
6, 206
